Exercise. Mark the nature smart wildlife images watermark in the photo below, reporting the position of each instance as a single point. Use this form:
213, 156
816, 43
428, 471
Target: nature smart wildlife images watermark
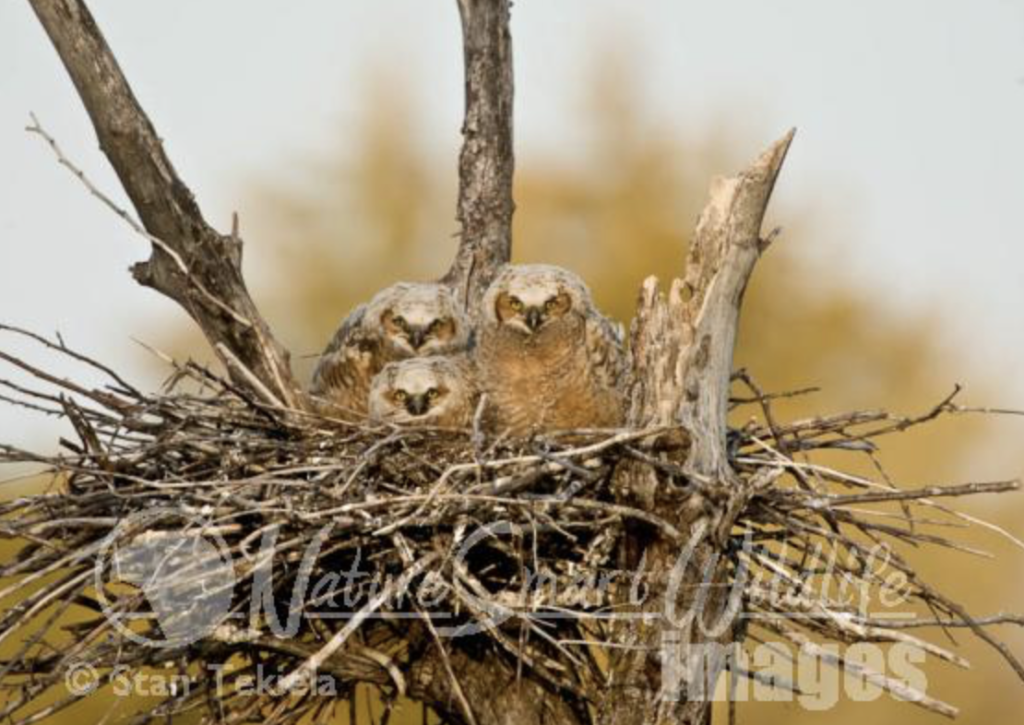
172, 568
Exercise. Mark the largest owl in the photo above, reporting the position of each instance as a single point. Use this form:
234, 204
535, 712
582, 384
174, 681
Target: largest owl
403, 321
546, 358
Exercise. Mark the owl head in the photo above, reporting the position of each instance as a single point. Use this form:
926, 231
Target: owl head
419, 319
426, 391
531, 297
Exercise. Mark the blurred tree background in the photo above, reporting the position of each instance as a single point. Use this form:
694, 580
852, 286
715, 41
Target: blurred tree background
379, 207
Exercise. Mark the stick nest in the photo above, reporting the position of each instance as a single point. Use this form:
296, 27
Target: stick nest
443, 540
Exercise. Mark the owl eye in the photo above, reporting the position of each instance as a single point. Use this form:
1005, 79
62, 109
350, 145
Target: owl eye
401, 396
400, 321
517, 304
434, 326
550, 304
433, 394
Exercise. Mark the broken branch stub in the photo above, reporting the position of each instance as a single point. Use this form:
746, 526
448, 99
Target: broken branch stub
682, 363
683, 344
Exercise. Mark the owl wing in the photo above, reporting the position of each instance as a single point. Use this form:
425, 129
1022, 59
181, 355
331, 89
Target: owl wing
468, 377
606, 352
470, 392
349, 362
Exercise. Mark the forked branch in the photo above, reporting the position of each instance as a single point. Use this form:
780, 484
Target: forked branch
683, 345
191, 262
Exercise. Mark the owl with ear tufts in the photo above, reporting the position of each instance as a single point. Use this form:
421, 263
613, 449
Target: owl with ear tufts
436, 391
546, 358
403, 321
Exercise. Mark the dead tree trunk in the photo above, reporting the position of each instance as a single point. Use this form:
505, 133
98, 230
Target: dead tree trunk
682, 356
682, 348
486, 163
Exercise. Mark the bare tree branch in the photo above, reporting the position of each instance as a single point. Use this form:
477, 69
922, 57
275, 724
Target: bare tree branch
486, 163
682, 357
195, 265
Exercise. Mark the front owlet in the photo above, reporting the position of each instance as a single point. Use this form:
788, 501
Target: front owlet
437, 391
403, 321
547, 359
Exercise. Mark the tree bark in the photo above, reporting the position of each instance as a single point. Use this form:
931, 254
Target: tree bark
191, 263
683, 350
486, 163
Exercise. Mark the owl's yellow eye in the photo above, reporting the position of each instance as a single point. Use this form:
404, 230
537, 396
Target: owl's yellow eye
516, 304
550, 304
434, 326
401, 396
433, 394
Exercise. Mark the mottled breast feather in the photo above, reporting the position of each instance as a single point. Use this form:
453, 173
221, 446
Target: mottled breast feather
566, 377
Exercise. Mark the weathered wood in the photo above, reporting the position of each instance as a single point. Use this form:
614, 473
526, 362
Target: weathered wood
683, 344
725, 248
486, 163
191, 263
682, 352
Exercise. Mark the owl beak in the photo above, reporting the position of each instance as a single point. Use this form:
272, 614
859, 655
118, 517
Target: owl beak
417, 404
534, 318
417, 336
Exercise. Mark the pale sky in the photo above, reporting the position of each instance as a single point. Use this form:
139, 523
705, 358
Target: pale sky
910, 117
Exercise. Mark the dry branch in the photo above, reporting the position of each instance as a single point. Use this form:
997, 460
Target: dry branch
193, 264
486, 163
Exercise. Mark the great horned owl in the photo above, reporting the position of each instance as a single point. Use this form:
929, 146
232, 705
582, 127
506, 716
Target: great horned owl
546, 358
436, 391
403, 321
